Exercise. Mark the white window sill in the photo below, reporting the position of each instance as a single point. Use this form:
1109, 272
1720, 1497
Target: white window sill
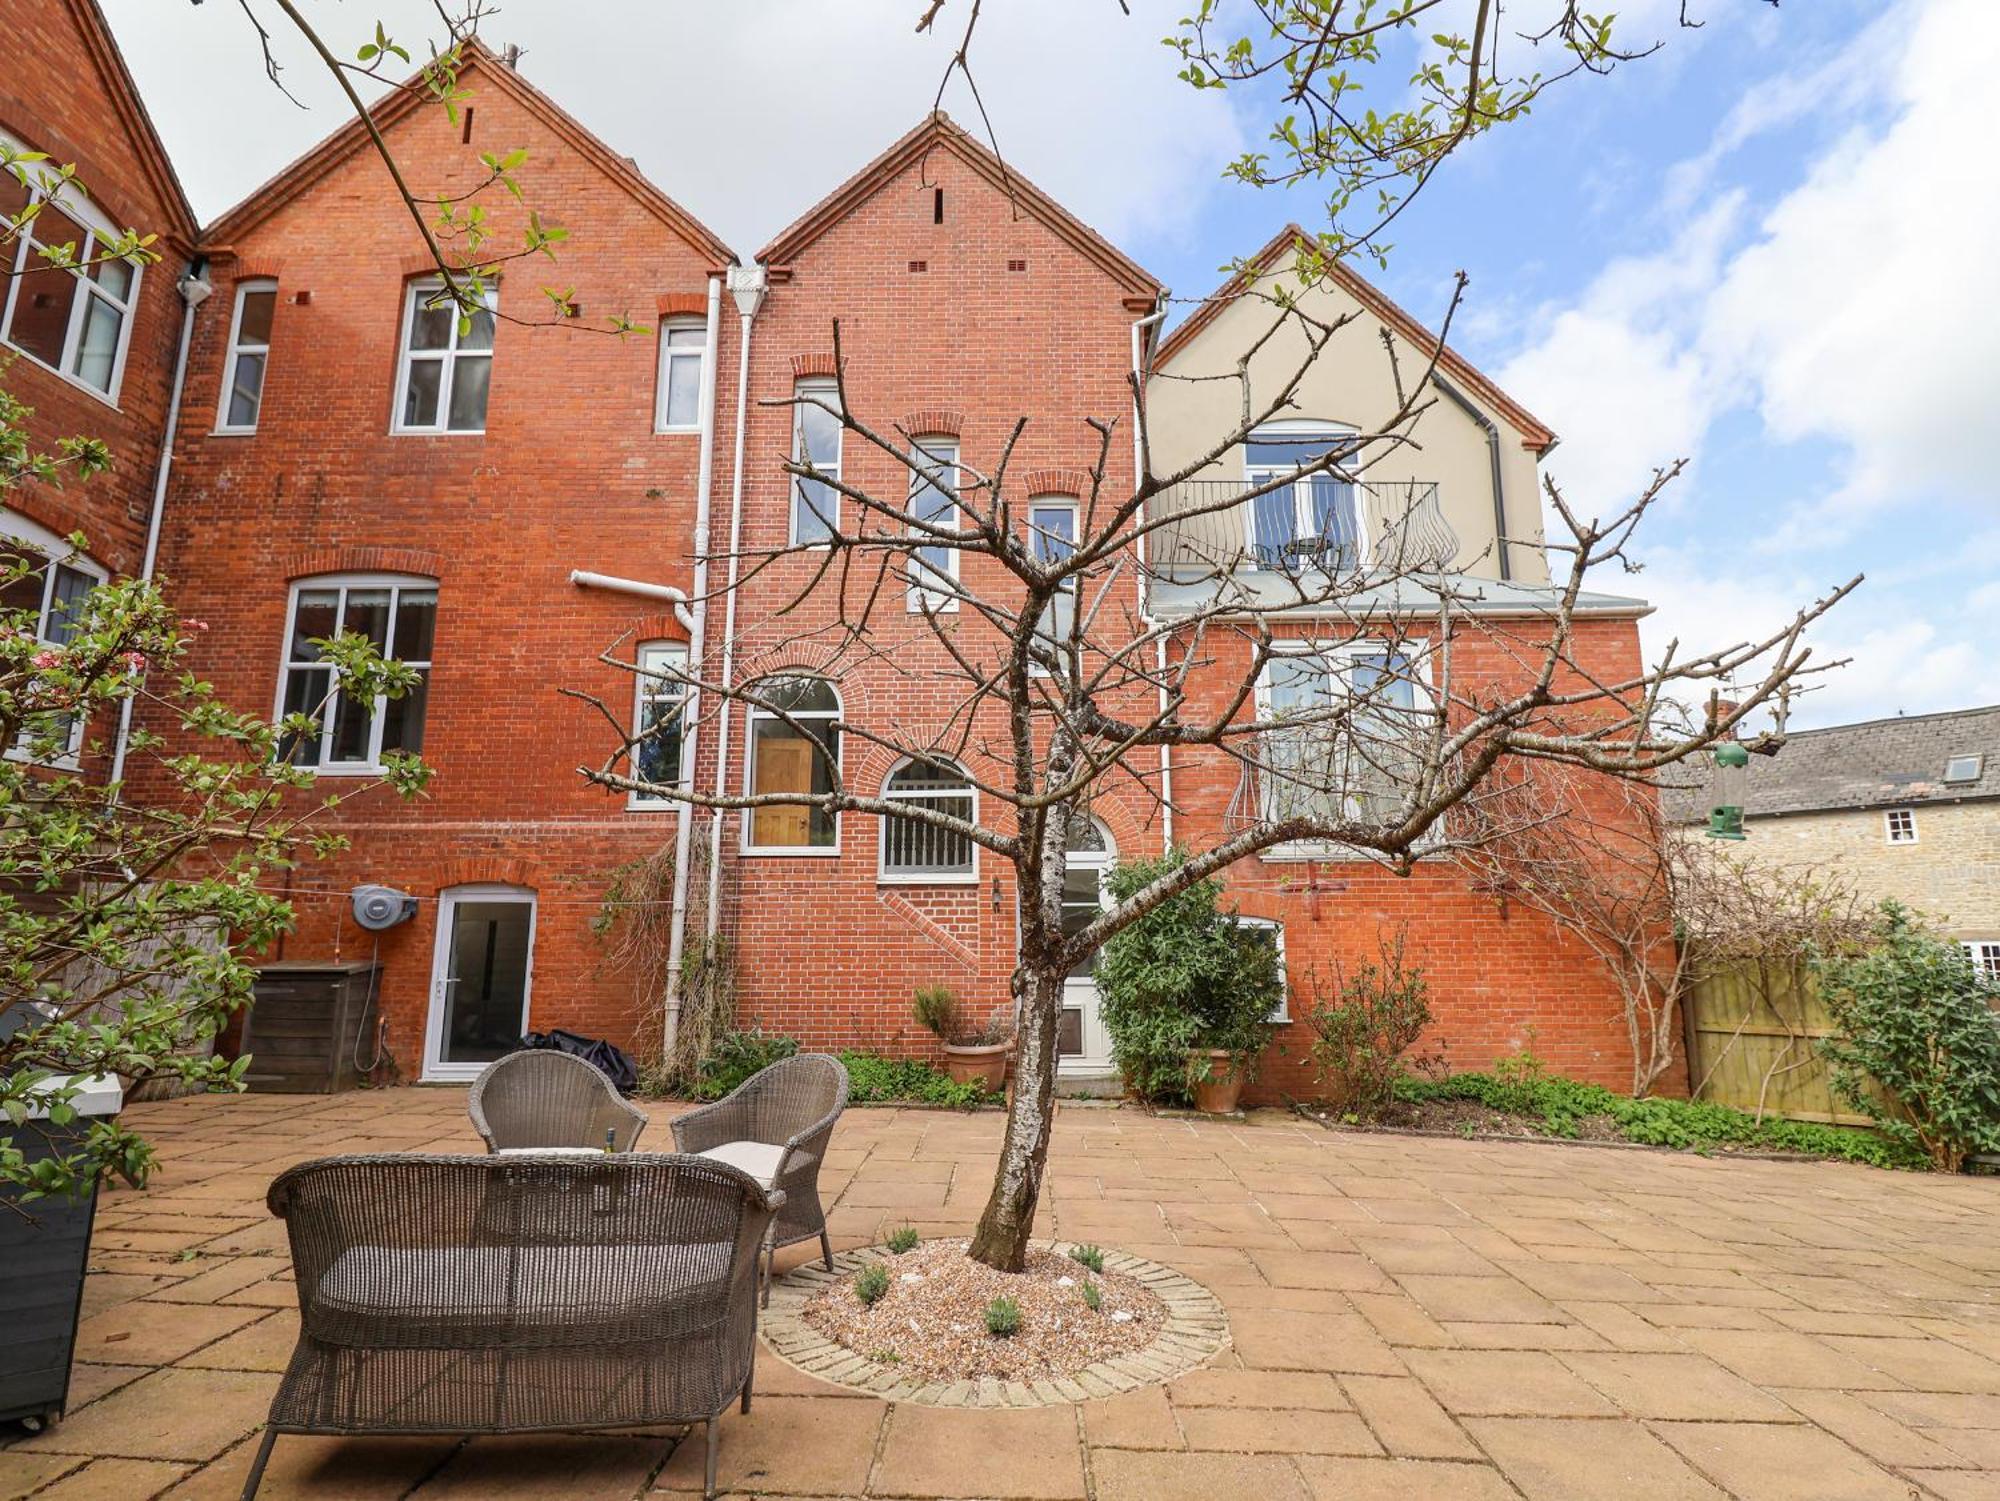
884, 878
71, 762
667, 432
109, 398
437, 432
652, 805
232, 432
345, 770
1305, 854
789, 851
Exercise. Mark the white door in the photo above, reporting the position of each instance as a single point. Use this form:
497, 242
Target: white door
1083, 1046
480, 980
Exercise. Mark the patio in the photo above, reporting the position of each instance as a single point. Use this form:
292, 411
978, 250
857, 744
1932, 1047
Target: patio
1412, 1318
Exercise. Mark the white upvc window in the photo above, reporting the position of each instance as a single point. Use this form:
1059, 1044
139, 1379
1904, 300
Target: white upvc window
1899, 825
1052, 529
683, 356
444, 372
659, 704
1269, 930
47, 582
796, 751
1985, 956
934, 480
1314, 522
921, 853
816, 434
1334, 768
75, 318
249, 353
397, 614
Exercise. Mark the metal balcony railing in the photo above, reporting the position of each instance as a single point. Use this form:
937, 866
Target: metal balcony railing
1318, 524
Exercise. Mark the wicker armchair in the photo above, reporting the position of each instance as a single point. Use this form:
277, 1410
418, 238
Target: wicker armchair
542, 1098
776, 1127
518, 1294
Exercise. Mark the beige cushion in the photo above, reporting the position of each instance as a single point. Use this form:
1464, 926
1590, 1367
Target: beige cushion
756, 1158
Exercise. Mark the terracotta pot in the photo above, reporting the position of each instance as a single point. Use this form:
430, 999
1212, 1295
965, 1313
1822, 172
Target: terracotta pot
985, 1066
1215, 1094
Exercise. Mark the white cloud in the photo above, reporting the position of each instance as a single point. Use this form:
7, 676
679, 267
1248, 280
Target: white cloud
1852, 315
747, 113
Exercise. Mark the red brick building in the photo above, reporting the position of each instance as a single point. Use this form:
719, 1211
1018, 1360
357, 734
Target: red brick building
502, 503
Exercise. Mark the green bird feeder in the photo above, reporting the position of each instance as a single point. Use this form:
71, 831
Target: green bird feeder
1725, 802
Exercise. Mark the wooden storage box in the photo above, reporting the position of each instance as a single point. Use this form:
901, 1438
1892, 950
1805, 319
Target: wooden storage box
310, 1022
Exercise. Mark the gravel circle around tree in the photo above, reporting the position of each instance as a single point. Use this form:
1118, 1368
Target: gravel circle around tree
921, 1326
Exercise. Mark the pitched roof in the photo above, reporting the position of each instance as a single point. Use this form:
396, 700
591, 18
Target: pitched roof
939, 131
1880, 763
1537, 434
330, 153
138, 124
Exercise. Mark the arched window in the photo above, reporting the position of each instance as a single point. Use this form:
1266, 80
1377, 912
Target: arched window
397, 614
921, 852
794, 747
43, 585
1091, 853
75, 317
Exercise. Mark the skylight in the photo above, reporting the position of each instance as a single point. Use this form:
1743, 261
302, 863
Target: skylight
1962, 768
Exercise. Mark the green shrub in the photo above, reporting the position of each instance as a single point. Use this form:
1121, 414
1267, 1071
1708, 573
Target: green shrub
1916, 1018
1561, 1106
1092, 1298
1089, 1256
905, 1240
1360, 1037
1185, 977
735, 1057
875, 1080
1003, 1318
871, 1282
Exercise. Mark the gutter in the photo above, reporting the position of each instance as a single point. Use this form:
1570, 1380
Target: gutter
195, 290
697, 642
1459, 400
747, 284
1140, 329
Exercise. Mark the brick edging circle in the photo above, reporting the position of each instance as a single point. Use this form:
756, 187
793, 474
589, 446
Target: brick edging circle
1196, 1330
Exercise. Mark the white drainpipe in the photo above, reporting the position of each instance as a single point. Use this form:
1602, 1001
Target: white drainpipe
677, 597
1139, 329
697, 639
747, 286
194, 292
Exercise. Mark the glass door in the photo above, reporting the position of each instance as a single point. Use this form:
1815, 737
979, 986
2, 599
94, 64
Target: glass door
479, 986
1083, 1046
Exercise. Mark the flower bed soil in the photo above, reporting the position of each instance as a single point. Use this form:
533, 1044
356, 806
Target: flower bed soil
931, 1324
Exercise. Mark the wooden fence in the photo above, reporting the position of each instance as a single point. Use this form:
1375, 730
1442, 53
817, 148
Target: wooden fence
1753, 1042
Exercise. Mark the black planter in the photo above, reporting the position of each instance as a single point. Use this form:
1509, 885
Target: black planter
44, 1248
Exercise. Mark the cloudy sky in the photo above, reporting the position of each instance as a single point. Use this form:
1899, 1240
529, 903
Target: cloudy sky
1767, 249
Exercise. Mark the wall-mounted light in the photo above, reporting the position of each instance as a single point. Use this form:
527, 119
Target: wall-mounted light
996, 894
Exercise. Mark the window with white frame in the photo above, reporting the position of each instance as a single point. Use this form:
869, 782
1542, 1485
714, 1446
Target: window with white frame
816, 441
1355, 710
794, 746
1901, 825
72, 312
446, 367
1985, 956
1271, 933
683, 353
43, 587
1052, 523
249, 353
922, 852
934, 482
399, 616
1312, 522
657, 721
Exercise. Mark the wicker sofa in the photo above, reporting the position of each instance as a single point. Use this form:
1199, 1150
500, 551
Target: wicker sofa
517, 1294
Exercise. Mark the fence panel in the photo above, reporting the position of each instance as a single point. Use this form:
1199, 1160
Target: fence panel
1753, 1034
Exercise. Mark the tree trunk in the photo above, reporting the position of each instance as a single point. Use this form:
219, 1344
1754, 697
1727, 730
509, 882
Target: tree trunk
1001, 1241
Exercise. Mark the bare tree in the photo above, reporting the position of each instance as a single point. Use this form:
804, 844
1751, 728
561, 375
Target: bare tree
1061, 692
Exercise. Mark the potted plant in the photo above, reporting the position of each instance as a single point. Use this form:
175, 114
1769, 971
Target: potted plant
1186, 992
972, 1054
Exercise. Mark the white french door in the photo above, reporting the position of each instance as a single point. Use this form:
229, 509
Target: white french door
480, 979
1083, 1046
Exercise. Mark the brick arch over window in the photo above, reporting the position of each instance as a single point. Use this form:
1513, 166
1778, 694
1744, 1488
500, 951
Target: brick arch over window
934, 422
415, 561
807, 366
256, 268
1075, 483
682, 304
59, 518
662, 627
1127, 833
486, 870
